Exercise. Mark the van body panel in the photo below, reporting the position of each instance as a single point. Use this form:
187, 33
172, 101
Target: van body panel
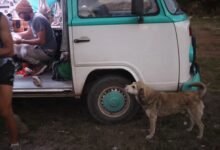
83, 73
70, 10
184, 42
120, 20
137, 47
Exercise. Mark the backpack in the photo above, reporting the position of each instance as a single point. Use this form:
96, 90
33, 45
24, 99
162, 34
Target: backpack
61, 70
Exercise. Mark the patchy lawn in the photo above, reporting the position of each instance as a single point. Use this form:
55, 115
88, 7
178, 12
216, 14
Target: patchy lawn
207, 31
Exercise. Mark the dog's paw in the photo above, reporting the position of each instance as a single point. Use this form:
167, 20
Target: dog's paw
148, 137
199, 137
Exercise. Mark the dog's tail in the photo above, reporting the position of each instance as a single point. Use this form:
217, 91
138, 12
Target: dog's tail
202, 88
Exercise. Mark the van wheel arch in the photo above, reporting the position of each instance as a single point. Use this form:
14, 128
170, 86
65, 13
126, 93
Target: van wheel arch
97, 74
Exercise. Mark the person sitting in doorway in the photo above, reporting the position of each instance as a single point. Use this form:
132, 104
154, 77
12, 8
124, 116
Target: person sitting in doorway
39, 34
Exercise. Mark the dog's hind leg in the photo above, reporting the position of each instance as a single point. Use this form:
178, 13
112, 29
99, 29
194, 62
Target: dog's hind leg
152, 119
197, 116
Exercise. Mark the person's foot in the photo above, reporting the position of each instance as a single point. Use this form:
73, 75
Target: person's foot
39, 69
37, 81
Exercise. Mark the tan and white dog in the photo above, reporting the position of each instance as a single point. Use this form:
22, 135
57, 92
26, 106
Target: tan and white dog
158, 104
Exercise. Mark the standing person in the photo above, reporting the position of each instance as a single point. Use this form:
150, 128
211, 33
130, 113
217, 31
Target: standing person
6, 81
39, 34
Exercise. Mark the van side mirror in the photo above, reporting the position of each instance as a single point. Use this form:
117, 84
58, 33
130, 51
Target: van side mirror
138, 9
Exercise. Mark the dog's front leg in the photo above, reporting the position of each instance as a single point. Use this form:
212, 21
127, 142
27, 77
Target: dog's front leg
191, 121
152, 115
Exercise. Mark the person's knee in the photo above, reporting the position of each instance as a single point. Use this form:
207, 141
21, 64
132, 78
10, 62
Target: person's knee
6, 112
24, 51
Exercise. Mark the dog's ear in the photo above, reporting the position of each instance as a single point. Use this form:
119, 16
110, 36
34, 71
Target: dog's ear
138, 84
141, 96
141, 92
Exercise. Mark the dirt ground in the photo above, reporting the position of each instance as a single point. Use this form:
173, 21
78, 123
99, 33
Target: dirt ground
65, 124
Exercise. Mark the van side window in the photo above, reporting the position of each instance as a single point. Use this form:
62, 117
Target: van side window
112, 8
173, 7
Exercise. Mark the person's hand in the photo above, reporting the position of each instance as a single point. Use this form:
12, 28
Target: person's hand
16, 38
18, 41
64, 56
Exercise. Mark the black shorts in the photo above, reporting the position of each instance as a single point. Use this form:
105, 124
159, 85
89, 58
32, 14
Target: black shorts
7, 73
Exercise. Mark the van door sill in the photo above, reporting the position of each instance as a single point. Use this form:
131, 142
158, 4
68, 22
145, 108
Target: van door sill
27, 93
24, 87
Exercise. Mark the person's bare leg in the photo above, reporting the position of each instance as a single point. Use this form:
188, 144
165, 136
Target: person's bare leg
7, 113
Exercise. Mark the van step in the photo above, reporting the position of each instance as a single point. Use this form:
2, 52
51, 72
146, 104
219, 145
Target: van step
28, 93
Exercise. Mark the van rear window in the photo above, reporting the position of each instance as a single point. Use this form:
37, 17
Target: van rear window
173, 7
112, 8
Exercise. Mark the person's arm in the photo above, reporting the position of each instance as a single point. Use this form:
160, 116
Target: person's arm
26, 34
6, 38
40, 40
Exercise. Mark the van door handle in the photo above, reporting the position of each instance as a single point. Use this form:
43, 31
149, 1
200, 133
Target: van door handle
82, 40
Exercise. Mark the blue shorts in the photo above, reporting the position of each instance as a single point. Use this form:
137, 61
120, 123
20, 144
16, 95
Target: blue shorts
7, 73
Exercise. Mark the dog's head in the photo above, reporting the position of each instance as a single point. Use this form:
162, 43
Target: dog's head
137, 88
141, 91
132, 88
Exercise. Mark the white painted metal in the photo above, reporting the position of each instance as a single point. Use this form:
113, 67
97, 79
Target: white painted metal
184, 41
148, 51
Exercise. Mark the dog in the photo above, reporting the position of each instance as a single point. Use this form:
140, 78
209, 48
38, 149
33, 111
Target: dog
158, 104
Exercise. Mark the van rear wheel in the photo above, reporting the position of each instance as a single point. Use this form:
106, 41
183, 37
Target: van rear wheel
108, 102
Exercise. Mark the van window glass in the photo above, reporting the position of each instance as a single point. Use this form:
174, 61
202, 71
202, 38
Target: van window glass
112, 8
173, 7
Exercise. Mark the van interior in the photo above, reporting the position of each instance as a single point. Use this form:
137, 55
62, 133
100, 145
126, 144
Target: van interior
48, 84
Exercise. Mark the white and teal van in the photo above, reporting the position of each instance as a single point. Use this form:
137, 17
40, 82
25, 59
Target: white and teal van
113, 43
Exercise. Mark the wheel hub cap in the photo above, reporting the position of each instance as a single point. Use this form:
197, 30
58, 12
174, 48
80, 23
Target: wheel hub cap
113, 101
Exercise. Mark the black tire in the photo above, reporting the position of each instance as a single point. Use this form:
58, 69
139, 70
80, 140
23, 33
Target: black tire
108, 102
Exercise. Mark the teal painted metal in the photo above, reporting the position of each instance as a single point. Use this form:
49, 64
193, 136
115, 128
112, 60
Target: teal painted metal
174, 18
113, 101
119, 20
74, 20
162, 17
191, 53
70, 8
179, 18
196, 78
